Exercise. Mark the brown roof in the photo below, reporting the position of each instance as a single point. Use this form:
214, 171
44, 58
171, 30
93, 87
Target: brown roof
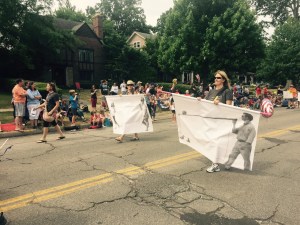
66, 24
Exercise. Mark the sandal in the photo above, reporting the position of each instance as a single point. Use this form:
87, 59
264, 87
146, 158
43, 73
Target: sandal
118, 139
41, 141
62, 137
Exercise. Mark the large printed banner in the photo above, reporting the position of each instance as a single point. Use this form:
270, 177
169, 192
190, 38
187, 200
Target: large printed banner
129, 114
223, 133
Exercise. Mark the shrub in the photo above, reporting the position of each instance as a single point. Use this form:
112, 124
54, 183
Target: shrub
8, 84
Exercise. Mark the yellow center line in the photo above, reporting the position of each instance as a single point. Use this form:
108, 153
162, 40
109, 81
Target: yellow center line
55, 192
279, 132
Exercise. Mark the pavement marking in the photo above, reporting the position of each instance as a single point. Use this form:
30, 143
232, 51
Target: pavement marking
279, 132
58, 191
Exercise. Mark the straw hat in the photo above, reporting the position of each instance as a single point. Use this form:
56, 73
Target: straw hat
130, 82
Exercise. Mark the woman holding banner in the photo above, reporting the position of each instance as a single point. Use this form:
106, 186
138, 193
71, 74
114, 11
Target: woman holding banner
130, 91
221, 93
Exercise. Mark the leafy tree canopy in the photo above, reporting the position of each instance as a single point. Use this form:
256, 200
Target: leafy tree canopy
282, 60
67, 11
279, 10
203, 36
127, 15
28, 38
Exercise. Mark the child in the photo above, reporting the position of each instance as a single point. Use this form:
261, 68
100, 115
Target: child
95, 119
107, 121
172, 108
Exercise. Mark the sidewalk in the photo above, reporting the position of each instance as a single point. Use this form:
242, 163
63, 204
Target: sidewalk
163, 115
6, 110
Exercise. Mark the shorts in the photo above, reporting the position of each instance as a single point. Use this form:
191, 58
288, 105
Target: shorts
173, 111
19, 109
33, 114
294, 99
94, 102
47, 124
74, 112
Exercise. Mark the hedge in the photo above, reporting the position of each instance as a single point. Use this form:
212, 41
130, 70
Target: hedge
8, 84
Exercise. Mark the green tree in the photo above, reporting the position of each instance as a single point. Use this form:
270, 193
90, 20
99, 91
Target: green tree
279, 10
127, 15
122, 61
28, 40
12, 16
282, 60
203, 36
67, 11
234, 40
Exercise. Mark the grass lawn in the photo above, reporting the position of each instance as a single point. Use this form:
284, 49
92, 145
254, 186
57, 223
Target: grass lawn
6, 117
5, 99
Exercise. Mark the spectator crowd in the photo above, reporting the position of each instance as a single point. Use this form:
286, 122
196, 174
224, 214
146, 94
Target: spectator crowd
26, 99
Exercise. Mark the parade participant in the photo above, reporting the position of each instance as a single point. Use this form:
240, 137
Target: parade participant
51, 105
221, 93
130, 91
94, 98
33, 101
245, 137
19, 99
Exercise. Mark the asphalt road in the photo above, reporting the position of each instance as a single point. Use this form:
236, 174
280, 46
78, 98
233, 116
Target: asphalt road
90, 179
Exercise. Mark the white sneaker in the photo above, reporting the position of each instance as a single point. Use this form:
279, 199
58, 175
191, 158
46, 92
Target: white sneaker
213, 168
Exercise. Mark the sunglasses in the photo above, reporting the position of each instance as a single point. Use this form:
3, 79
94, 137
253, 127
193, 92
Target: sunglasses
218, 78
129, 84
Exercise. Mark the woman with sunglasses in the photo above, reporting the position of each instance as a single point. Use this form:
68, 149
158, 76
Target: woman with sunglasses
221, 93
130, 91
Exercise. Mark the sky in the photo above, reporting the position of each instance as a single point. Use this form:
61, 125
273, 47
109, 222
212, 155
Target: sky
152, 8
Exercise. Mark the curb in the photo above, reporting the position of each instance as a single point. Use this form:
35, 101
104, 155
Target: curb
163, 116
33, 132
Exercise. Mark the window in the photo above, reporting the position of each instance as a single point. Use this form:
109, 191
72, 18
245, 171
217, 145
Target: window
137, 44
86, 55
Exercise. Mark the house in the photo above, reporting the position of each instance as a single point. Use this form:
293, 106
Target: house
83, 64
138, 39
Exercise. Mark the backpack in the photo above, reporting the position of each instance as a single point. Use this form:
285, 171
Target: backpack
107, 122
285, 103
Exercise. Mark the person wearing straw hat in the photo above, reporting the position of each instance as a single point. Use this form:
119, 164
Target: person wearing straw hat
130, 91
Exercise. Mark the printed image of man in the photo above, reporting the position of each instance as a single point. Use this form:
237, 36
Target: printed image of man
245, 136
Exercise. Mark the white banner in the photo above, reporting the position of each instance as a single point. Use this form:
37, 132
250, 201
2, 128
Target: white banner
287, 94
217, 131
129, 114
